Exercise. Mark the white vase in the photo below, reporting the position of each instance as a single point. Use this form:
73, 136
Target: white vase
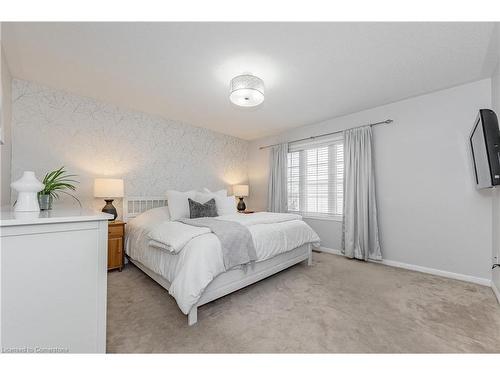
27, 187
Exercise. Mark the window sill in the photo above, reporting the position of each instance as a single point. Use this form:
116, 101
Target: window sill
322, 218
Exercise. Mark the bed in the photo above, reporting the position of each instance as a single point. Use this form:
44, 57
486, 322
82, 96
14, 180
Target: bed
196, 275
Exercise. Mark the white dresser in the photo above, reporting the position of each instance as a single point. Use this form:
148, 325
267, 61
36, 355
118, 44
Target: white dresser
53, 275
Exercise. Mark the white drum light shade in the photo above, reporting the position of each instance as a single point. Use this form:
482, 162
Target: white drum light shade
246, 90
240, 190
108, 188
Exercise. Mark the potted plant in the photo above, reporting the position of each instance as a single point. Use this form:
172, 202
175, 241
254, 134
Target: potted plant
55, 182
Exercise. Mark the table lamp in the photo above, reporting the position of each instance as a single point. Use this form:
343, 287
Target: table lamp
241, 191
108, 188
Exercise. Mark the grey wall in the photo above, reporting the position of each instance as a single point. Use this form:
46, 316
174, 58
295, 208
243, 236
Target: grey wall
495, 102
329, 231
5, 121
91, 138
430, 213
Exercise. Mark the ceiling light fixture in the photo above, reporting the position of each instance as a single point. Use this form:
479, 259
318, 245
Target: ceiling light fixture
246, 90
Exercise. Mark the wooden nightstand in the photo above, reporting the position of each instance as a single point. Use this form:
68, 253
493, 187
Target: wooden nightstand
116, 235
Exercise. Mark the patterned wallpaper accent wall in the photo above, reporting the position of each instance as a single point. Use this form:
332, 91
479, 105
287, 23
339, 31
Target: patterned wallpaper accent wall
92, 139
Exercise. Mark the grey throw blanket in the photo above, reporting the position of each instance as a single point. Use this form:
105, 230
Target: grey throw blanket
235, 239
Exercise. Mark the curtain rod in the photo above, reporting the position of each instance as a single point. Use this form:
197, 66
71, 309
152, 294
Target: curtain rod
388, 121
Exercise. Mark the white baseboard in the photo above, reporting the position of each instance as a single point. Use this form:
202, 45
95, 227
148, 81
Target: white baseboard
432, 271
329, 251
496, 291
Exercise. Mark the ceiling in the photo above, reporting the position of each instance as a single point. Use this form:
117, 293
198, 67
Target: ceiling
312, 71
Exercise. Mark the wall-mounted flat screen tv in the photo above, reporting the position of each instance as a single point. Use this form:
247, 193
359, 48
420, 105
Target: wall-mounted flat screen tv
485, 142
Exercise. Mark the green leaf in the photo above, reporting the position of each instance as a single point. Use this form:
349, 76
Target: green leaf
58, 181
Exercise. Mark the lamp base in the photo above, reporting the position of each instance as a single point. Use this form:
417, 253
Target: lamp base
110, 209
241, 205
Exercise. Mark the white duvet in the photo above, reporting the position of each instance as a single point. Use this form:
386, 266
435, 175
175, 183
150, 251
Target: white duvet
191, 257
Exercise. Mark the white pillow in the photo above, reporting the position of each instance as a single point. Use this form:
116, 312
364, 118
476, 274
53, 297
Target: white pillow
222, 192
178, 204
225, 205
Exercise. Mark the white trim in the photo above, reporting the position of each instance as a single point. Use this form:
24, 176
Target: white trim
495, 290
324, 218
329, 250
413, 267
433, 271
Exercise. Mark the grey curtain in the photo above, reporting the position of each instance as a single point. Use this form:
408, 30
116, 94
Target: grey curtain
360, 227
277, 193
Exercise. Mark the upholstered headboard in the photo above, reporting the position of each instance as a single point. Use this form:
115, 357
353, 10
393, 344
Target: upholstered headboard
133, 206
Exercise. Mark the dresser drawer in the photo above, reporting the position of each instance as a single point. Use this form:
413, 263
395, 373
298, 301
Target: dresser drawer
115, 231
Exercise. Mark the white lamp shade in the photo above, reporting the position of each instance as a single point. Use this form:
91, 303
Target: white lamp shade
246, 90
240, 190
108, 188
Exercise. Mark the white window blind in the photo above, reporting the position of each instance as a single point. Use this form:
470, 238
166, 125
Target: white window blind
316, 177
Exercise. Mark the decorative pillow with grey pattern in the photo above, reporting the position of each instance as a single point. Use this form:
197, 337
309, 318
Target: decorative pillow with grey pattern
197, 209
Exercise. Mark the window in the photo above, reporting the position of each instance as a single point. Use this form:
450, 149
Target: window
316, 178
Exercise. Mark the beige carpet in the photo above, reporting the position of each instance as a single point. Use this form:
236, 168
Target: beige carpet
337, 305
